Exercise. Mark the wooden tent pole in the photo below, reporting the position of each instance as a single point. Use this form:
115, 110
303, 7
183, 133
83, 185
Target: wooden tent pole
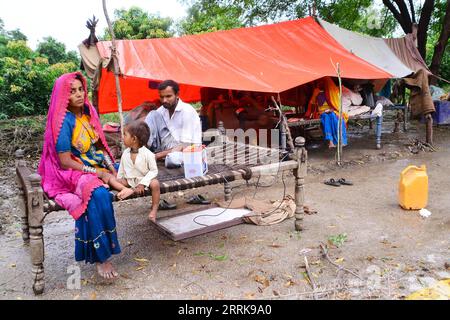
116, 70
339, 146
284, 123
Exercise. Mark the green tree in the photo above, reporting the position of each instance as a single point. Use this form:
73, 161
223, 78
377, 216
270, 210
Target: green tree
135, 23
350, 14
55, 51
27, 76
210, 17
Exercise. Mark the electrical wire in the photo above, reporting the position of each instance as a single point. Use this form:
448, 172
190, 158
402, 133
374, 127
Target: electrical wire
256, 188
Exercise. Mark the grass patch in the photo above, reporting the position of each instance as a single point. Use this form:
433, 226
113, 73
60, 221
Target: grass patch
337, 240
211, 255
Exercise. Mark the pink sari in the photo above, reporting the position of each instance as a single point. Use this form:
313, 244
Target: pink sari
71, 189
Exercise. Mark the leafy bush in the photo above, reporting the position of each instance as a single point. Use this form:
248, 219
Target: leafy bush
27, 76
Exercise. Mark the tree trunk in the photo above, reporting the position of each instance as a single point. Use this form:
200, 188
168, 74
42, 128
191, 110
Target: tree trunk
403, 16
439, 48
422, 31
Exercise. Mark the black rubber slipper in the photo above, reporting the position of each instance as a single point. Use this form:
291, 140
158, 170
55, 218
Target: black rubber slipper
332, 182
164, 205
345, 182
198, 199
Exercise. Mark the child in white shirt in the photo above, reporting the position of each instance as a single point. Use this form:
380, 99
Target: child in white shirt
138, 168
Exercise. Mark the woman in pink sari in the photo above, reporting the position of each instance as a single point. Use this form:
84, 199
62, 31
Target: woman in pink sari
76, 163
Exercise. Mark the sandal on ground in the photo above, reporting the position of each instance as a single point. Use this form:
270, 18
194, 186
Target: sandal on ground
198, 199
332, 182
345, 182
164, 205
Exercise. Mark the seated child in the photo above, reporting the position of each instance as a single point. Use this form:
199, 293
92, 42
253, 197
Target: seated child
137, 168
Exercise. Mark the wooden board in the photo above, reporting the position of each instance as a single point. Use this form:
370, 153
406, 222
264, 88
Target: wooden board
191, 224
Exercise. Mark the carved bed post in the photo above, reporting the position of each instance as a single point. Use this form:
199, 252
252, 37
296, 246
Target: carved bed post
227, 191
223, 140
22, 201
35, 202
283, 138
379, 121
300, 174
429, 128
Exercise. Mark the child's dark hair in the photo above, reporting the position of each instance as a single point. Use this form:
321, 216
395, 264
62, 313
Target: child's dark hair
140, 130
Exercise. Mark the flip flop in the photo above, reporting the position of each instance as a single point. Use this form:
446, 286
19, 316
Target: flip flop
164, 205
198, 199
332, 182
345, 182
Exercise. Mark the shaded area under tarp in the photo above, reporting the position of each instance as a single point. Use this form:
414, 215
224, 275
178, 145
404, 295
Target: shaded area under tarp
270, 58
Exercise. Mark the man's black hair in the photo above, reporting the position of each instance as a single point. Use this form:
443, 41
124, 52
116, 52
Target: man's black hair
169, 83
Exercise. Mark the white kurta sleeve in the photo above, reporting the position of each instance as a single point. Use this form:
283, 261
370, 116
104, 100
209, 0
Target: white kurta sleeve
121, 172
151, 167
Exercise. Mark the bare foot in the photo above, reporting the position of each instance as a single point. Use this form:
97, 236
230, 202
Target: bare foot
331, 144
106, 270
152, 215
125, 193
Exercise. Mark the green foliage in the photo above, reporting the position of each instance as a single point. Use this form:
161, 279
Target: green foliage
356, 15
209, 17
55, 51
26, 76
135, 23
212, 256
436, 23
110, 117
338, 240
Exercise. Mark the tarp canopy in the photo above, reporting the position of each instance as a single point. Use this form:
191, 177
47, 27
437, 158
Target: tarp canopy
374, 50
406, 50
270, 58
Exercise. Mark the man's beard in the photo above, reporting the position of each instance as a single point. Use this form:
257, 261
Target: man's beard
171, 105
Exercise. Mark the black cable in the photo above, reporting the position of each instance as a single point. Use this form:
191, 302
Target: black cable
214, 215
232, 197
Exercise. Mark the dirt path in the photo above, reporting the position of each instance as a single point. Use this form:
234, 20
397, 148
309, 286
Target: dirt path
395, 252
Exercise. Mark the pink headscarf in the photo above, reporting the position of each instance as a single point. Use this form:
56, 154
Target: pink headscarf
70, 188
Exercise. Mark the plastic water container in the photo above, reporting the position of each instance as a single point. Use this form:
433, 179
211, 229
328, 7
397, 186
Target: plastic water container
195, 161
413, 188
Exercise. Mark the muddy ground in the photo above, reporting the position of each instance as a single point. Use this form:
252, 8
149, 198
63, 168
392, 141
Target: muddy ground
392, 252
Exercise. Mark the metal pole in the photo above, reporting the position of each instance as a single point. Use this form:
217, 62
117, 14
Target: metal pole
116, 69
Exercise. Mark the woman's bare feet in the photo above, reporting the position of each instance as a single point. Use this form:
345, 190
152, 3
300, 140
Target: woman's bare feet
152, 215
125, 193
106, 270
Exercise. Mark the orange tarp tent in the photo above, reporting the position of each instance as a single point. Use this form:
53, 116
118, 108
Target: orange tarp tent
270, 58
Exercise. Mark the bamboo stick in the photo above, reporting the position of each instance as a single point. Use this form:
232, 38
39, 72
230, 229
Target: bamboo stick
116, 70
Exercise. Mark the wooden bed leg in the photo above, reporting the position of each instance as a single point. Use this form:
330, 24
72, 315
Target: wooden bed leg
283, 138
22, 202
405, 118
227, 191
378, 132
429, 128
35, 201
300, 174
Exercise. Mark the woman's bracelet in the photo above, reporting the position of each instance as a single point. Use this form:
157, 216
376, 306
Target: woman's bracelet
108, 161
89, 169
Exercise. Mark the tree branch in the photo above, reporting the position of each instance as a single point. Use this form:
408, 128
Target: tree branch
413, 12
404, 12
397, 16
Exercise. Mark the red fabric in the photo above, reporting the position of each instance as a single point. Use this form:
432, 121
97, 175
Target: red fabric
270, 58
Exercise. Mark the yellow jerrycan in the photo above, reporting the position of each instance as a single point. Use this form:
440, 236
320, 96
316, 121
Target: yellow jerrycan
413, 188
